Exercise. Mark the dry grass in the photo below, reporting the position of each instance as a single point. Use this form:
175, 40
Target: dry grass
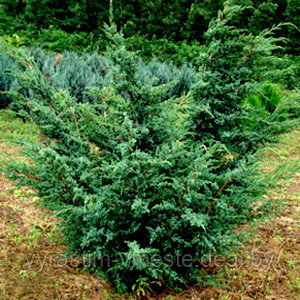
31, 265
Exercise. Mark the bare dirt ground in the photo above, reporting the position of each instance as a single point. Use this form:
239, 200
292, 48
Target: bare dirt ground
31, 265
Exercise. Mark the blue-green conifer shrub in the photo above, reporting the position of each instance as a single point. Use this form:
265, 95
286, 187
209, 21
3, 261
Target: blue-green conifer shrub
144, 189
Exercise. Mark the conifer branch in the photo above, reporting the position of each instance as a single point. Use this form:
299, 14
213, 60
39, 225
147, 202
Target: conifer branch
28, 175
75, 118
218, 192
66, 185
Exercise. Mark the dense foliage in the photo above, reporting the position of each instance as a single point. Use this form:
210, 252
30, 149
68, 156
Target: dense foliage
78, 24
151, 168
77, 73
230, 70
7, 82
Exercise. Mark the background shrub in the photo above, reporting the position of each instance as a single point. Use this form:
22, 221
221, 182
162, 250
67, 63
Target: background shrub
77, 73
76, 25
7, 82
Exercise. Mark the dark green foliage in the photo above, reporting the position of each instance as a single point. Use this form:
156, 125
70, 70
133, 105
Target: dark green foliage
292, 14
176, 20
58, 40
77, 25
235, 62
68, 15
264, 16
165, 49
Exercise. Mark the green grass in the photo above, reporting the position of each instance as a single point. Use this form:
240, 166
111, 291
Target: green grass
14, 130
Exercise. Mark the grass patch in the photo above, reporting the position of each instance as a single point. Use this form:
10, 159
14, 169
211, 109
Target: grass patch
14, 130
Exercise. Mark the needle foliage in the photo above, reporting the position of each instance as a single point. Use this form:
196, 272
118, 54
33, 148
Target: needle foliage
148, 181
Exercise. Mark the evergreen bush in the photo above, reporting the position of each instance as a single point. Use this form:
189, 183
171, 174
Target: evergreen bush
146, 181
233, 67
76, 73
171, 28
166, 50
7, 82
